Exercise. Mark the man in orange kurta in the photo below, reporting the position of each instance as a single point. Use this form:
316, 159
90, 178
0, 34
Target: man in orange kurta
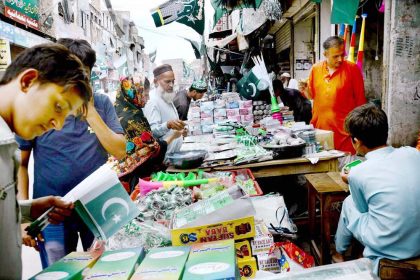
336, 87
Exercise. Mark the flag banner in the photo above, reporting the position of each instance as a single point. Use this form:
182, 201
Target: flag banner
250, 86
102, 203
221, 9
188, 12
344, 11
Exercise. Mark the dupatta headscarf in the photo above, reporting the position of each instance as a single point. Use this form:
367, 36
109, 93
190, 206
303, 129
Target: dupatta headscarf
140, 142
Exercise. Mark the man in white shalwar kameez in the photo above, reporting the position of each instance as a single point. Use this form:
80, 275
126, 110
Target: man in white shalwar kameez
160, 110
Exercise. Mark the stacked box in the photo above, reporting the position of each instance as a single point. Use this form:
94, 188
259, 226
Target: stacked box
163, 263
268, 263
262, 241
118, 264
247, 264
207, 114
70, 267
212, 260
233, 229
247, 268
245, 111
245, 104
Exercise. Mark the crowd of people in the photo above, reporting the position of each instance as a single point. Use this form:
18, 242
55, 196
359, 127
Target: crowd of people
48, 105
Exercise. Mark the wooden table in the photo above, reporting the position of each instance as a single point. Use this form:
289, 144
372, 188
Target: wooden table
280, 167
329, 189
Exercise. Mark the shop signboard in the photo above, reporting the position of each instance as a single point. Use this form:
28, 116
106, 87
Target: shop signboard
5, 57
19, 36
23, 11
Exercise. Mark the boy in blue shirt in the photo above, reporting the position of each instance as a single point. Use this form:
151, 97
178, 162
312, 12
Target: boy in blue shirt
383, 209
39, 89
64, 158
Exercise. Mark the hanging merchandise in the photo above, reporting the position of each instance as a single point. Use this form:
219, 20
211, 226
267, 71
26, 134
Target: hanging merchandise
263, 74
344, 11
352, 42
272, 9
188, 12
360, 53
222, 7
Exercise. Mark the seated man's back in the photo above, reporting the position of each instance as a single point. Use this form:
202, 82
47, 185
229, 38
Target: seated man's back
387, 188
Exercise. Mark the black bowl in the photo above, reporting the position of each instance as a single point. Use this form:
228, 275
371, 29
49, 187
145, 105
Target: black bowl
187, 159
286, 151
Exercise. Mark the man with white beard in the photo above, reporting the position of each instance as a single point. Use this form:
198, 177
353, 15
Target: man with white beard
160, 111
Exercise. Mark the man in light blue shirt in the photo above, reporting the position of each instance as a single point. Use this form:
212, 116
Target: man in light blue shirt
383, 210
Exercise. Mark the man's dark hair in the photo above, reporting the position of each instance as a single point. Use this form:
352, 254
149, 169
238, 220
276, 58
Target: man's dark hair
333, 42
82, 49
55, 64
146, 84
369, 124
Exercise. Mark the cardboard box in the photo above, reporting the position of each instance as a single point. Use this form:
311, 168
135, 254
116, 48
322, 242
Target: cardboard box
248, 268
234, 229
163, 263
268, 263
232, 112
207, 121
118, 264
262, 241
247, 118
245, 104
243, 249
212, 260
71, 267
245, 111
325, 137
220, 113
234, 118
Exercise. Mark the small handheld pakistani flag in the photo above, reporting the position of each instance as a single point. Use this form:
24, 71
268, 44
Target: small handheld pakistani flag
102, 203
251, 85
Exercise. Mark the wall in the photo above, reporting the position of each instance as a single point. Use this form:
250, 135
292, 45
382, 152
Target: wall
324, 28
401, 99
302, 46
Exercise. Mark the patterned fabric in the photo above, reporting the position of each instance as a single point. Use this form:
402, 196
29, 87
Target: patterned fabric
140, 143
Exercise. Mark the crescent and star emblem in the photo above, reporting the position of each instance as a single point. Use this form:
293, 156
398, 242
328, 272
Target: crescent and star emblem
115, 200
254, 89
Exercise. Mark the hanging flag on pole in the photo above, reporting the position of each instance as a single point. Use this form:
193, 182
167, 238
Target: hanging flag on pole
352, 42
188, 12
344, 11
360, 53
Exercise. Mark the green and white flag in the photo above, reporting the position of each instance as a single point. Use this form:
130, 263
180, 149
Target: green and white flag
188, 12
221, 9
250, 85
344, 12
102, 203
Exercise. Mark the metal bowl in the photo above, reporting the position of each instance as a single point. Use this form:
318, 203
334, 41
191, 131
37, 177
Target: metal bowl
187, 159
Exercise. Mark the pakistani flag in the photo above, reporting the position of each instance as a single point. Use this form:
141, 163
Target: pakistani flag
220, 9
102, 203
250, 86
188, 12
